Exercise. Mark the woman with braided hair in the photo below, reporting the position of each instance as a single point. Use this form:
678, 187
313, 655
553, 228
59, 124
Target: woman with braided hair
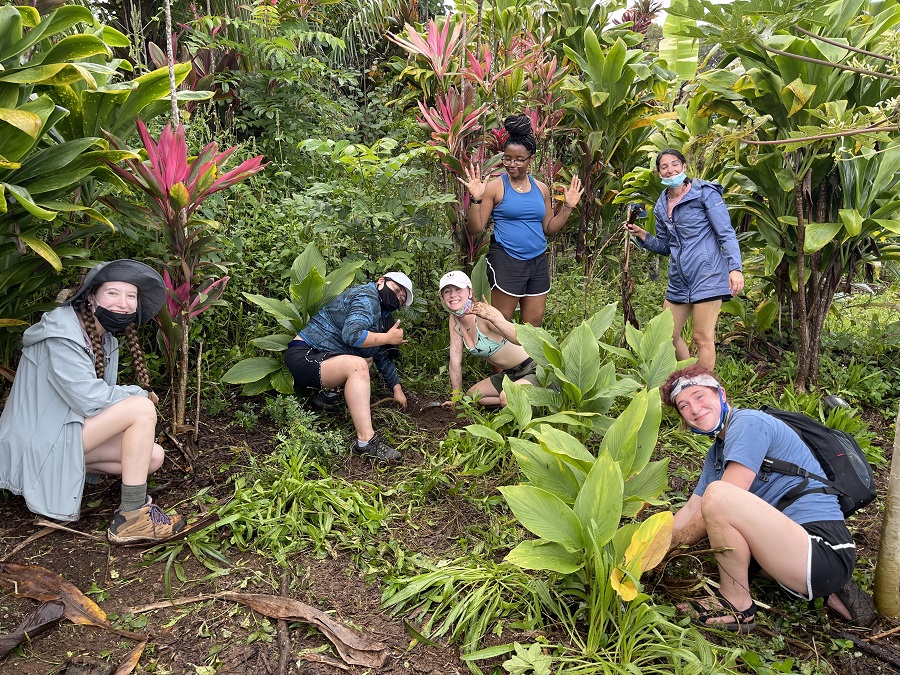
66, 416
523, 219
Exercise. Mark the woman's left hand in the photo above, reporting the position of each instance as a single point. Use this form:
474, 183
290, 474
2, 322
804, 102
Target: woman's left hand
572, 194
736, 282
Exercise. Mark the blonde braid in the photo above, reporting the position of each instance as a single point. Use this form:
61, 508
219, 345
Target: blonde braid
137, 356
90, 327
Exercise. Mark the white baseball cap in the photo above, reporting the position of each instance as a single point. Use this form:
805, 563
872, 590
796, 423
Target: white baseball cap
455, 278
403, 280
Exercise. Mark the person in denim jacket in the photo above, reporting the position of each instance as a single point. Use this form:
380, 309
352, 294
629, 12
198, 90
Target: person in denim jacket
337, 345
693, 228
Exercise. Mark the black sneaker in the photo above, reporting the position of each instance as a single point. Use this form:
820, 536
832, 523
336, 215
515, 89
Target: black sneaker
858, 603
378, 449
328, 400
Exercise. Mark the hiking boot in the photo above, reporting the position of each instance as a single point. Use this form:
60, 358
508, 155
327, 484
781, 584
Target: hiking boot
858, 603
378, 449
327, 400
148, 523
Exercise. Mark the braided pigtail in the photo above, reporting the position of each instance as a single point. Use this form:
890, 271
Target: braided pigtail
90, 327
137, 356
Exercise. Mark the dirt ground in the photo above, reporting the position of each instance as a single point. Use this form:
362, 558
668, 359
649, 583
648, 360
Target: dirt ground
190, 637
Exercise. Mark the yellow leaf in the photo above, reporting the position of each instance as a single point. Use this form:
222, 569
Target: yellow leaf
623, 585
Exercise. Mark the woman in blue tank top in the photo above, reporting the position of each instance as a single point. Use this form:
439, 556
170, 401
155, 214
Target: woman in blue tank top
523, 217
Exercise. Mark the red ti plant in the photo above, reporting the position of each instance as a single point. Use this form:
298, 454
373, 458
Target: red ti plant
174, 186
438, 47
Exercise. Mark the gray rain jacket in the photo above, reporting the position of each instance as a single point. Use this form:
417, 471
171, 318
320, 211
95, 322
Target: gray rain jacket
700, 240
56, 388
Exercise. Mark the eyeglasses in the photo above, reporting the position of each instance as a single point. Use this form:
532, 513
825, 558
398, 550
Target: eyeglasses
509, 161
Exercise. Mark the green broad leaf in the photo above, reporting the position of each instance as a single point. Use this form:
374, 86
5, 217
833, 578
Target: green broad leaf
485, 432
517, 402
766, 313
307, 295
257, 388
277, 308
488, 653
24, 121
252, 370
773, 257
544, 555
481, 287
560, 443
307, 261
149, 88
633, 338
114, 38
660, 366
581, 357
851, 220
339, 280
536, 342
273, 343
657, 332
43, 249
796, 95
650, 483
888, 225
578, 419
619, 351
26, 202
649, 431
601, 321
818, 235
283, 381
76, 48
544, 515
679, 51
546, 470
621, 439
599, 503
540, 397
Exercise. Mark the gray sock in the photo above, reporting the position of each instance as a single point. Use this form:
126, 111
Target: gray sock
133, 497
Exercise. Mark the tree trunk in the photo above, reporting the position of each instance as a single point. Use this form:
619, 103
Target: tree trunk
170, 57
887, 566
803, 353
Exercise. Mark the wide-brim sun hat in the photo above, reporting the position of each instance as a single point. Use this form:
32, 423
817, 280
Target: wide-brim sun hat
455, 278
403, 280
151, 289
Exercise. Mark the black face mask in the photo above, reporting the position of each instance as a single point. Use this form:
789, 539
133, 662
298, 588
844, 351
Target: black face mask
113, 321
389, 300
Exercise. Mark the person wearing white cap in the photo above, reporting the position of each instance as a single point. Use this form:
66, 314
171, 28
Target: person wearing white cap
66, 415
337, 345
493, 339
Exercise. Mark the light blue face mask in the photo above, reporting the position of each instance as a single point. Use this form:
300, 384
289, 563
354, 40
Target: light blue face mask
674, 181
723, 417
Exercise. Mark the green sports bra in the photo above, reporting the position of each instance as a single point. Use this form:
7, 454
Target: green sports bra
485, 347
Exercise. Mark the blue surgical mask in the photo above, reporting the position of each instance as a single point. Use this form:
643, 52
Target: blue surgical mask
674, 181
723, 417
462, 311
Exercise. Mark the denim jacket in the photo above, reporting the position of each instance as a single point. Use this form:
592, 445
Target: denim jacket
343, 324
700, 240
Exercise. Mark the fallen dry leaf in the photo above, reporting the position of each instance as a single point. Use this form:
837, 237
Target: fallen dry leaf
40, 619
353, 648
130, 663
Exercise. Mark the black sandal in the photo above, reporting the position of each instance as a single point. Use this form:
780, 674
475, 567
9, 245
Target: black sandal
726, 609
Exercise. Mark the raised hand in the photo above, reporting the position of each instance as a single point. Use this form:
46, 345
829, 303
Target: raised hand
483, 310
473, 182
572, 194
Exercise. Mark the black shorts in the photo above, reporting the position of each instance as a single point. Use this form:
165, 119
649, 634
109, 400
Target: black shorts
832, 556
723, 298
305, 364
515, 277
527, 370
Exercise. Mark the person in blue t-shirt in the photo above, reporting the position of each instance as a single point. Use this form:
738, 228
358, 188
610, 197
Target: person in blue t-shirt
523, 218
806, 548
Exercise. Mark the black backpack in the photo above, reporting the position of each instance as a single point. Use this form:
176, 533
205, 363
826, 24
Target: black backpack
847, 472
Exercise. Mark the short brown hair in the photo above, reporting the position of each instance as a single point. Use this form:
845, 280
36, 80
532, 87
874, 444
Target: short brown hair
691, 371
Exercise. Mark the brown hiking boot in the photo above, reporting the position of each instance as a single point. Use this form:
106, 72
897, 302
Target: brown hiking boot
148, 523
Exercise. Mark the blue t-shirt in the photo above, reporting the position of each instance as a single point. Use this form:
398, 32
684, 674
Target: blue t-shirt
749, 437
519, 221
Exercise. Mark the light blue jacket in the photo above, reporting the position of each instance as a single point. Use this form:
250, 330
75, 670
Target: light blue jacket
699, 239
56, 387
343, 324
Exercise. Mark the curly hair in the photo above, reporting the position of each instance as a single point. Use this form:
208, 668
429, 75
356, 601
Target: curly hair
86, 314
519, 129
691, 371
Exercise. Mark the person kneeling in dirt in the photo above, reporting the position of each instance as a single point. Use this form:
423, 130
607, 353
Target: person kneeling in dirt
337, 345
493, 340
806, 548
66, 415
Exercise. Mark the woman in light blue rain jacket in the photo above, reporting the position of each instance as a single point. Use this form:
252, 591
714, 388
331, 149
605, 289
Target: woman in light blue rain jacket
693, 228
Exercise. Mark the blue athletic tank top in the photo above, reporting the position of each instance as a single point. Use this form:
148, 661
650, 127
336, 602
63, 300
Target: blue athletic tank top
518, 221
